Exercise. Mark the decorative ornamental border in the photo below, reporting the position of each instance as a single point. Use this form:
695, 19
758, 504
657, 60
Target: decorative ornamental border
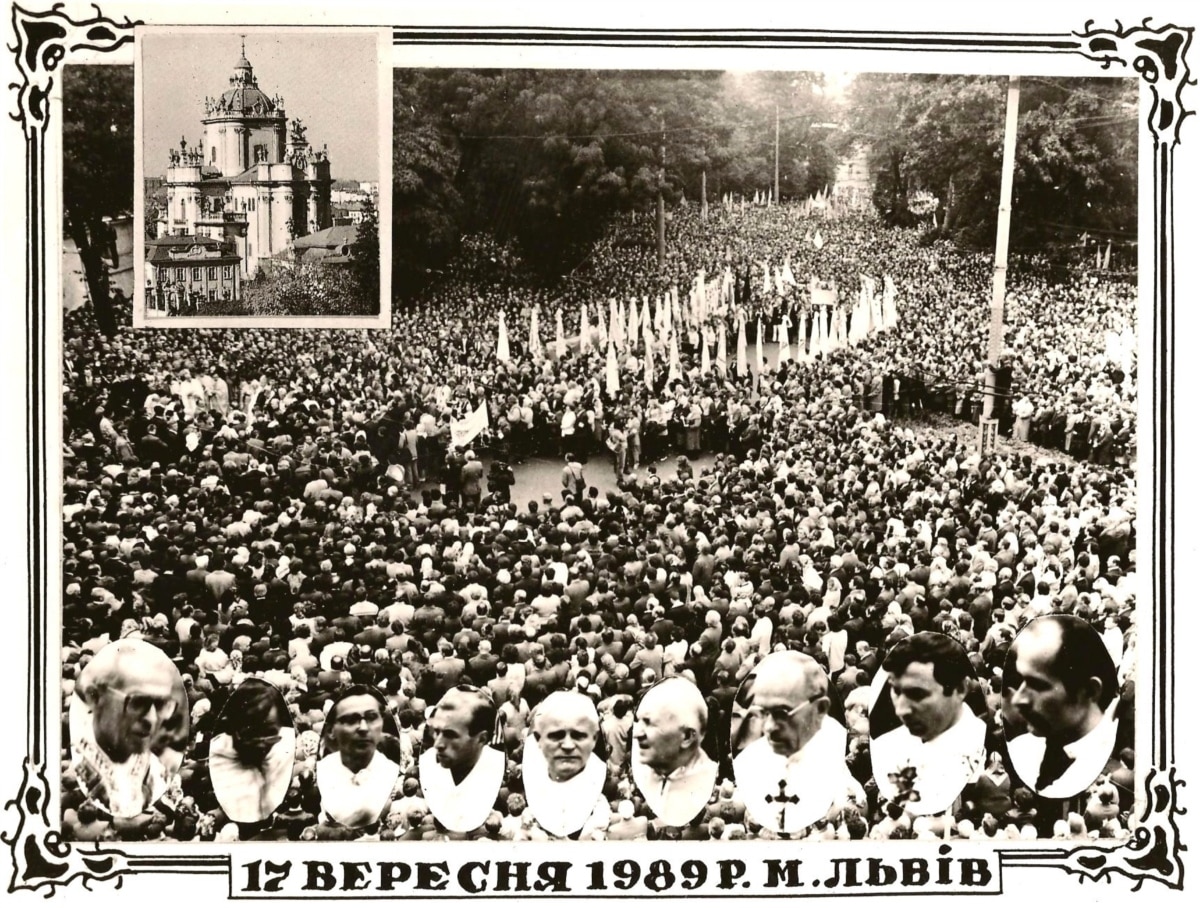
43, 860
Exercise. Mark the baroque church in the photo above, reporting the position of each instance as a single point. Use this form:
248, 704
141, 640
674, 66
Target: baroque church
251, 187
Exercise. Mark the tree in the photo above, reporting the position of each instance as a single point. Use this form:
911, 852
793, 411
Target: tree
364, 254
97, 170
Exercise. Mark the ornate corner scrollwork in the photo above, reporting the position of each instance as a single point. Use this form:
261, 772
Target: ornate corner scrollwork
1152, 851
41, 857
44, 39
1159, 56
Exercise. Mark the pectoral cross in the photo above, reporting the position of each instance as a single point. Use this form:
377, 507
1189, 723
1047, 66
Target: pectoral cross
783, 799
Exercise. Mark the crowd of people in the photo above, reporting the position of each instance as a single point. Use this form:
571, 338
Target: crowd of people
288, 507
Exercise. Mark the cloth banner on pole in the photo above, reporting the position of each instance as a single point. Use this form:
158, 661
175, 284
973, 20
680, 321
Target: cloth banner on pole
648, 357
502, 352
785, 344
705, 360
631, 333
758, 349
818, 241
560, 341
535, 339
601, 328
674, 372
612, 378
722, 362
585, 330
463, 431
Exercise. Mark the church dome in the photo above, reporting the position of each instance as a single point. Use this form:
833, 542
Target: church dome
244, 96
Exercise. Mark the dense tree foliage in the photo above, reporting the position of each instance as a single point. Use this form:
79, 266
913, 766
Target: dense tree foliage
97, 169
1076, 153
364, 254
548, 158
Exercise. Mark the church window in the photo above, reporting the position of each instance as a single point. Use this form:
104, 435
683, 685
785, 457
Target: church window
195, 274
212, 272
228, 272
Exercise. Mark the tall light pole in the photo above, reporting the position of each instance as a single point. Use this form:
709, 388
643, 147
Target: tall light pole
987, 427
662, 176
776, 154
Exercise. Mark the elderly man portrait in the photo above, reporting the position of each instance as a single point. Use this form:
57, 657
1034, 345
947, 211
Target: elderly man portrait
939, 745
1062, 684
461, 773
564, 777
123, 701
355, 778
795, 773
252, 753
670, 767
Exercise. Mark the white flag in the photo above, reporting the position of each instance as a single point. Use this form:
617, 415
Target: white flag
535, 340
463, 431
612, 379
585, 330
560, 341
502, 353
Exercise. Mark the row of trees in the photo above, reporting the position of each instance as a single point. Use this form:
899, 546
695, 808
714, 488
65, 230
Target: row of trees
547, 158
1076, 164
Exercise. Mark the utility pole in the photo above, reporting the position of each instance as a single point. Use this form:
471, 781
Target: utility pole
662, 176
993, 395
776, 154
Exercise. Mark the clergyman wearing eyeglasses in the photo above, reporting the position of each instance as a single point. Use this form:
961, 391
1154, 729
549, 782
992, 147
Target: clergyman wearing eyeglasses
355, 780
124, 700
795, 773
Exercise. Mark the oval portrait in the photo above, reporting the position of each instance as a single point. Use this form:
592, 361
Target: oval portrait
667, 759
128, 722
360, 764
1060, 700
252, 752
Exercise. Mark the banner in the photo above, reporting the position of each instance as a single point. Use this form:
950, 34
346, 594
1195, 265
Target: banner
612, 378
502, 353
464, 431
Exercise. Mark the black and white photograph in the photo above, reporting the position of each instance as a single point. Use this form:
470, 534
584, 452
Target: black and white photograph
261, 177
938, 743
553, 441
792, 771
668, 760
252, 752
1067, 722
357, 776
128, 723
563, 774
461, 772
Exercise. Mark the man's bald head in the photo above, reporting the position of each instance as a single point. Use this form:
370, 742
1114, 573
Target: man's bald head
790, 694
131, 688
669, 725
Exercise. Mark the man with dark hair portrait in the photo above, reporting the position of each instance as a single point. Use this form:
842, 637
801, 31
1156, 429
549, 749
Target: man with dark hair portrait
252, 752
1062, 684
355, 778
461, 774
563, 775
939, 746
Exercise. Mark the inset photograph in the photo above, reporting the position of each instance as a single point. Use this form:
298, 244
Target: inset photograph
927, 743
252, 753
264, 183
462, 772
668, 762
563, 775
791, 770
1060, 699
355, 776
128, 722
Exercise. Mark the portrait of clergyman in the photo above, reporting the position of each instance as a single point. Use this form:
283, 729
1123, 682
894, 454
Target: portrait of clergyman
791, 770
927, 742
462, 772
1060, 696
564, 776
669, 764
355, 776
128, 721
252, 753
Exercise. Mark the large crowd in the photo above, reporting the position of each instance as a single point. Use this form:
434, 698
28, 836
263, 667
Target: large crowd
287, 505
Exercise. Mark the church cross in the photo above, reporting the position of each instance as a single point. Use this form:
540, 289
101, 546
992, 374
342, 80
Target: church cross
783, 799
